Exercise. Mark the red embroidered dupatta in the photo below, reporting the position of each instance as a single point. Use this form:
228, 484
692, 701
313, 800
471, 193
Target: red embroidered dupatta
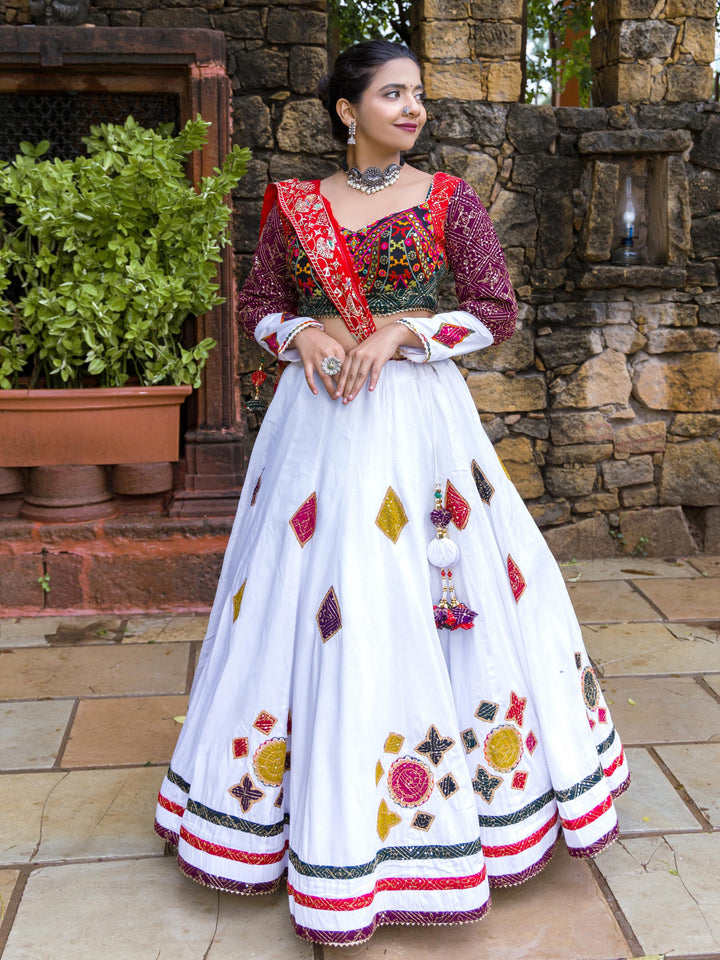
303, 206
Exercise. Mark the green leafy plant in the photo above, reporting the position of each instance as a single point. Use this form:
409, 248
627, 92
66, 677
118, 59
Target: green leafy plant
104, 257
549, 59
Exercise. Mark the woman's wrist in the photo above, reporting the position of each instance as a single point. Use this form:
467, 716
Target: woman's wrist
405, 334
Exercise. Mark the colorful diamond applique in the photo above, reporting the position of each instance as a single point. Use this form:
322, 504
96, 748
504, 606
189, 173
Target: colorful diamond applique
422, 821
391, 517
393, 743
240, 747
434, 746
237, 601
448, 786
287, 760
451, 334
602, 715
256, 491
517, 580
503, 748
410, 782
516, 710
486, 784
264, 722
519, 780
591, 722
487, 711
484, 487
531, 741
379, 771
328, 616
304, 519
470, 741
272, 341
578, 660
246, 793
457, 505
386, 820
269, 762
279, 799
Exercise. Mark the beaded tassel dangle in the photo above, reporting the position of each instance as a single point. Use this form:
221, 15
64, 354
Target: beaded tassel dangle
257, 378
449, 613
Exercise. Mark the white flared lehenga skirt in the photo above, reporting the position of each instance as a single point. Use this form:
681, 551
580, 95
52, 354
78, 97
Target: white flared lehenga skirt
392, 772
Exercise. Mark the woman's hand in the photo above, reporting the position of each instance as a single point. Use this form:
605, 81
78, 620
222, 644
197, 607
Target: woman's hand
369, 357
314, 345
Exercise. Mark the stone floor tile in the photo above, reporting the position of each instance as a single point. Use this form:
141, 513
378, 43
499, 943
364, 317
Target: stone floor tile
610, 601
8, 879
82, 814
697, 767
663, 710
94, 671
167, 629
709, 566
713, 681
669, 891
130, 730
685, 599
44, 631
22, 799
652, 804
32, 732
626, 568
560, 915
145, 910
630, 649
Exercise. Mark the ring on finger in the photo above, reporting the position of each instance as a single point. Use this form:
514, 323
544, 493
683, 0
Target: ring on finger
331, 366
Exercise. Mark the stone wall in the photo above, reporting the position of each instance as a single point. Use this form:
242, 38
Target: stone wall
605, 405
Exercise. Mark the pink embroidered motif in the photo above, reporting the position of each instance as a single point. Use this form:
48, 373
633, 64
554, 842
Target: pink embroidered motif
264, 722
602, 715
591, 722
272, 341
531, 741
256, 491
517, 580
516, 709
519, 780
304, 519
240, 747
410, 782
457, 505
450, 335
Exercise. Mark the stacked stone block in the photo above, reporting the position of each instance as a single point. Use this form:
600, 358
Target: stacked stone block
653, 50
470, 48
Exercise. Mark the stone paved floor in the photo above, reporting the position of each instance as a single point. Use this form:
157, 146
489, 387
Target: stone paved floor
90, 709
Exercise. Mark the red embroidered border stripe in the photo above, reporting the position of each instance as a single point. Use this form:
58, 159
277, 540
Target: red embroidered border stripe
587, 818
615, 764
513, 848
169, 805
241, 856
388, 883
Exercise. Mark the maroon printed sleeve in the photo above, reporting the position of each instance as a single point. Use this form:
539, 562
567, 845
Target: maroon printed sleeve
269, 287
482, 282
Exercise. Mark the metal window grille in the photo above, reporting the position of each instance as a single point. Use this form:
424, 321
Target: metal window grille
65, 118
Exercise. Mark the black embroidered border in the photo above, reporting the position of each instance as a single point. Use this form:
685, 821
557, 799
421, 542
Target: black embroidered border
234, 823
177, 780
508, 819
429, 852
572, 793
607, 743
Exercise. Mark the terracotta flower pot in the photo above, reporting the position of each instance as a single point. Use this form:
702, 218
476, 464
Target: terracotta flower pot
90, 426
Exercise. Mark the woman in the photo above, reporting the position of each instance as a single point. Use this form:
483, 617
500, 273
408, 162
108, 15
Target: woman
388, 613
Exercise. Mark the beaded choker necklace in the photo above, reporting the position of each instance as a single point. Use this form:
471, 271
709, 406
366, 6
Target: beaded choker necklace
372, 179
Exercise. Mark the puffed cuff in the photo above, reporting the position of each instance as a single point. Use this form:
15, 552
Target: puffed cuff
276, 331
445, 335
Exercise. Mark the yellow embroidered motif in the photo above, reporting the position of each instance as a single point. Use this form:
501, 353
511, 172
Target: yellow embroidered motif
386, 820
379, 771
503, 748
393, 743
269, 762
391, 516
237, 600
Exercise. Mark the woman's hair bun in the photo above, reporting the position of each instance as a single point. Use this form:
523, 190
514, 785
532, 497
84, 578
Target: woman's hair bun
323, 88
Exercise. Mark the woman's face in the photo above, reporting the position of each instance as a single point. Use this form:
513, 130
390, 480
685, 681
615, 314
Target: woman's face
391, 114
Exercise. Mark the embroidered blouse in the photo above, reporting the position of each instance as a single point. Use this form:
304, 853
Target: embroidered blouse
401, 260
